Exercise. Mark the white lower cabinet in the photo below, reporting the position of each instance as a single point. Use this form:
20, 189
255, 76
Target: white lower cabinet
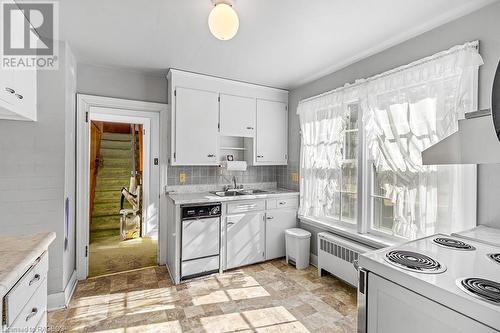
245, 239
255, 229
277, 221
33, 312
25, 304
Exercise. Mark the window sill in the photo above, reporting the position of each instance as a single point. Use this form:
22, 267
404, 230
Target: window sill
375, 241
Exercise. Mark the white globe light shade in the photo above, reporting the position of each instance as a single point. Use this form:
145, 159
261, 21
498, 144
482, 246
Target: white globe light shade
223, 21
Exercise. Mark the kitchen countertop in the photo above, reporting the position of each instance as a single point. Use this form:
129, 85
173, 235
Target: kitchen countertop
17, 254
207, 197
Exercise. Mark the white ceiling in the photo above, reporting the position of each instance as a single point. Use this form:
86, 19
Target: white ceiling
281, 43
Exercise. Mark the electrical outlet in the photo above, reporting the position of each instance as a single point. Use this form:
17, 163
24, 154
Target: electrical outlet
295, 177
182, 178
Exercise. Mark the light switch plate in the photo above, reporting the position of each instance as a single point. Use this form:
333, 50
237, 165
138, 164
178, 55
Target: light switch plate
182, 178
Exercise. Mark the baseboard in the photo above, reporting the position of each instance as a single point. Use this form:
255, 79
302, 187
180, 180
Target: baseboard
60, 300
314, 260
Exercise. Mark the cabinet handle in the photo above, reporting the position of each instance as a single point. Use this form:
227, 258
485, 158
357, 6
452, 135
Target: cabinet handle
230, 223
260, 156
19, 96
250, 206
33, 312
281, 202
270, 217
10, 90
211, 155
249, 128
35, 279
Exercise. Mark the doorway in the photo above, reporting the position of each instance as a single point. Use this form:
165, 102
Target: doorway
119, 240
119, 224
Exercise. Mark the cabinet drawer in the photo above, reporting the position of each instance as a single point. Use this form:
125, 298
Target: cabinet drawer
19, 295
33, 312
42, 324
245, 206
290, 202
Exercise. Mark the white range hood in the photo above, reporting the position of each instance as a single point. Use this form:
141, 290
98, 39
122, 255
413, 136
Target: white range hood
475, 142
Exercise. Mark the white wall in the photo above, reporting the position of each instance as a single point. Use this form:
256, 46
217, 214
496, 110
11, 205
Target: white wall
482, 25
121, 83
69, 258
33, 169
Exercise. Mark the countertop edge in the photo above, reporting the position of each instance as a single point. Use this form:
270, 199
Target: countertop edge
214, 198
29, 257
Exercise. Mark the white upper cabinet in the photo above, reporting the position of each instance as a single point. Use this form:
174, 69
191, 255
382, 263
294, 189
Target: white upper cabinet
237, 116
206, 108
18, 96
196, 127
271, 140
18, 86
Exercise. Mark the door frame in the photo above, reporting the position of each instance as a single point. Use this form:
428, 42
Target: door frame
90, 107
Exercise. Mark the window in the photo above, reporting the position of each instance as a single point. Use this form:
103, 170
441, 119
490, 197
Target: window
382, 205
375, 144
348, 199
330, 164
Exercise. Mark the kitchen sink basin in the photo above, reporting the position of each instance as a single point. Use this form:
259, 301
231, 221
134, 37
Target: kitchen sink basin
254, 191
228, 193
237, 193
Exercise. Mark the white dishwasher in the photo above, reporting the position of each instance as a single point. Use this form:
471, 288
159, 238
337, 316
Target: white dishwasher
200, 250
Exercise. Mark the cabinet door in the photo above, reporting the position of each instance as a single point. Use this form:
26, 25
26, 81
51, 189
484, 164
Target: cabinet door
277, 221
7, 100
272, 132
394, 309
196, 127
245, 239
25, 84
237, 116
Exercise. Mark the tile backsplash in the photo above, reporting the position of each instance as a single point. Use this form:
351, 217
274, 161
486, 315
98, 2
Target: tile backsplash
195, 175
287, 176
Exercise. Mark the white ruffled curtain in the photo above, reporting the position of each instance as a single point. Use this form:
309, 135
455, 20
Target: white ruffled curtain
405, 111
322, 122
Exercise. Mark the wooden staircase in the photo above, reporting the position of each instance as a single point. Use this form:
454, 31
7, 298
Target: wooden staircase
113, 174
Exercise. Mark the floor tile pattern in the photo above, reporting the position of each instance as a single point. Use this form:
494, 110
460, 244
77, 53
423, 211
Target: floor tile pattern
266, 297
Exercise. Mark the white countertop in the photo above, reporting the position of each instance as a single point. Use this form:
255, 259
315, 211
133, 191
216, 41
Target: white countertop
207, 197
17, 254
482, 234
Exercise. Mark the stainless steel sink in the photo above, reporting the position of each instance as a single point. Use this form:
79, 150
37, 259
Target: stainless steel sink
237, 193
254, 191
228, 193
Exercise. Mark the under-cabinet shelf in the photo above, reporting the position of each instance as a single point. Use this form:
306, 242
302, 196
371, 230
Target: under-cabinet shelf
233, 148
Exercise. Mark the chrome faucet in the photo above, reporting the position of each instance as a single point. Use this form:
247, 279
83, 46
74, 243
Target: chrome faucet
234, 183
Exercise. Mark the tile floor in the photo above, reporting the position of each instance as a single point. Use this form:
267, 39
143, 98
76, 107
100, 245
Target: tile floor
267, 297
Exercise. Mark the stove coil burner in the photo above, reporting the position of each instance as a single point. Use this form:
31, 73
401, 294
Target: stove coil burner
483, 289
495, 257
415, 262
453, 243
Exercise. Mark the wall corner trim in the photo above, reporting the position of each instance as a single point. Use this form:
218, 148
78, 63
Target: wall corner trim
61, 299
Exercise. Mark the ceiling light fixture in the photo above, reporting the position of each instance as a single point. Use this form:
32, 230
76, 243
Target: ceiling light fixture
223, 21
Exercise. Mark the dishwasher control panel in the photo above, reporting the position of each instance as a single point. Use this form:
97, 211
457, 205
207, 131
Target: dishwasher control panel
201, 211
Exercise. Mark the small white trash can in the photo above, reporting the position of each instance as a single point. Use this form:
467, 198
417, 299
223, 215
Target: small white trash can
297, 247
